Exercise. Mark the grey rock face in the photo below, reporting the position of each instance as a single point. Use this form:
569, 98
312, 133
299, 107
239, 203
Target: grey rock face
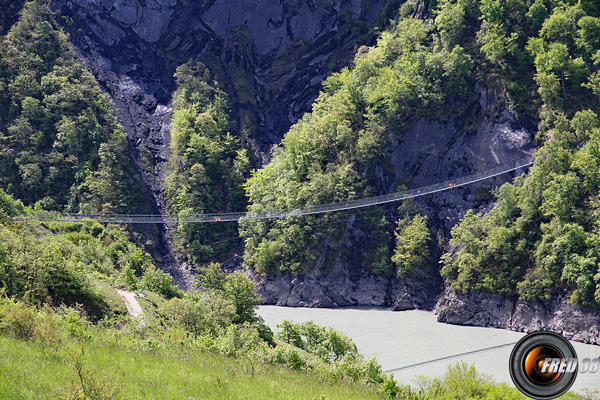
433, 151
494, 310
429, 151
283, 47
267, 21
340, 287
270, 55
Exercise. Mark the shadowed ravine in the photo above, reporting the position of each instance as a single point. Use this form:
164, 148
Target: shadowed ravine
269, 56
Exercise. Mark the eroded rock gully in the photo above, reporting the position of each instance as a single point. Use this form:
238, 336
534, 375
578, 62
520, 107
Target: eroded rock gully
270, 56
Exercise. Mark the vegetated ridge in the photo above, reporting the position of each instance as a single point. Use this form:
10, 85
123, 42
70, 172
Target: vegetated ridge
449, 88
430, 99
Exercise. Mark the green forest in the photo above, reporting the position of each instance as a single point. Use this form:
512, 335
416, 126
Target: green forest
542, 238
63, 149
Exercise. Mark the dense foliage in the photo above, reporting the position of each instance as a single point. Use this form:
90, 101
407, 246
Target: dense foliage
72, 263
207, 167
524, 42
542, 239
330, 154
149, 361
412, 240
327, 344
61, 148
60, 143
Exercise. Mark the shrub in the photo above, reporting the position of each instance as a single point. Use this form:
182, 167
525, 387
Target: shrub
185, 313
87, 385
328, 344
157, 281
20, 321
238, 340
199, 313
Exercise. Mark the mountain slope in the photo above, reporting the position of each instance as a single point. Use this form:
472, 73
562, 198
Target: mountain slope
269, 57
381, 125
61, 143
447, 90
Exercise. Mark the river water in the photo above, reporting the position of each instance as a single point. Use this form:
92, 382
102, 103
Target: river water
412, 343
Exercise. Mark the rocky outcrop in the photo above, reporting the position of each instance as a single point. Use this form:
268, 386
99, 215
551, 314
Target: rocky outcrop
269, 56
429, 151
494, 310
342, 287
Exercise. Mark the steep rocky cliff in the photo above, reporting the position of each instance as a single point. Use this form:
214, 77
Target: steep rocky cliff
494, 310
269, 56
429, 151
486, 135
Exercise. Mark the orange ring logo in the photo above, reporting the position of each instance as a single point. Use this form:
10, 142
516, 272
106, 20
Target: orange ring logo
543, 365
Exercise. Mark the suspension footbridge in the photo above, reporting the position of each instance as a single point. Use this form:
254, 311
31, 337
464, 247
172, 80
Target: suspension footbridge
277, 213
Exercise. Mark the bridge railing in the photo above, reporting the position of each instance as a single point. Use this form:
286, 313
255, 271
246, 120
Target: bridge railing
280, 213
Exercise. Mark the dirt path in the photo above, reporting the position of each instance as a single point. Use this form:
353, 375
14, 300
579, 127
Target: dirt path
133, 307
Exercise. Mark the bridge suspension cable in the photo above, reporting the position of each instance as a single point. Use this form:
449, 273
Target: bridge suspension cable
280, 213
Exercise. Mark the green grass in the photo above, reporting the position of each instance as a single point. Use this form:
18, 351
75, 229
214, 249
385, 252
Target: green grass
28, 371
151, 302
114, 301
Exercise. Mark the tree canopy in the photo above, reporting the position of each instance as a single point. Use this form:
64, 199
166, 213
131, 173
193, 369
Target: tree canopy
331, 154
60, 143
208, 166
